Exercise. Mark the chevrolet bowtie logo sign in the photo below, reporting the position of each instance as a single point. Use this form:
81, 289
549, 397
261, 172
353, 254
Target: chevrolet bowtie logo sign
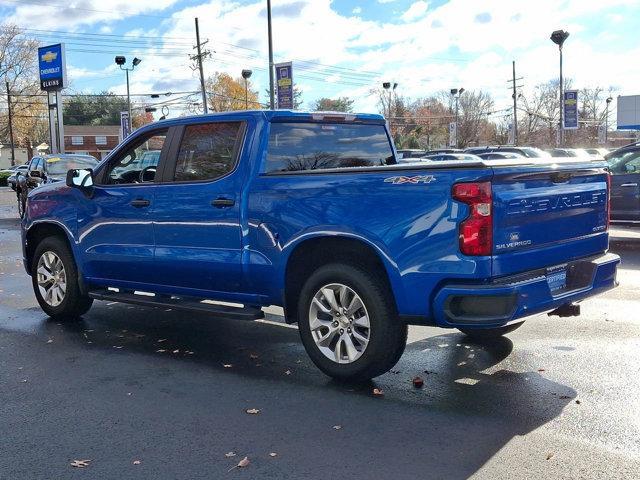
49, 56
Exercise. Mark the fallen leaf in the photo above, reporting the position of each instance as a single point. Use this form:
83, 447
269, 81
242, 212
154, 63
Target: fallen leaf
252, 411
273, 454
337, 427
227, 365
50, 341
160, 351
230, 454
578, 402
418, 382
541, 369
378, 392
549, 456
288, 372
137, 462
80, 463
241, 464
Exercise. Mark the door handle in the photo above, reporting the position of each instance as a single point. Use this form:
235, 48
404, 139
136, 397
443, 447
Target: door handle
140, 202
223, 202
629, 185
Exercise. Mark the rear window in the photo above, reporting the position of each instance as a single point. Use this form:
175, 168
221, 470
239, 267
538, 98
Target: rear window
297, 147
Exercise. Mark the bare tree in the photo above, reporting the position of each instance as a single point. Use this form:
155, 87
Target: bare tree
18, 67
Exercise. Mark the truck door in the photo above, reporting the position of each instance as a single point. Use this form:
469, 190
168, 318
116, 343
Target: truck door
197, 210
115, 230
625, 186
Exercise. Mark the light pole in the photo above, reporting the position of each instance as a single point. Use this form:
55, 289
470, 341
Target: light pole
246, 74
390, 87
558, 37
606, 121
120, 61
456, 92
272, 102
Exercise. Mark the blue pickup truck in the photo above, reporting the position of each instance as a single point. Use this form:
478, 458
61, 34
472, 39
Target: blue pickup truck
312, 212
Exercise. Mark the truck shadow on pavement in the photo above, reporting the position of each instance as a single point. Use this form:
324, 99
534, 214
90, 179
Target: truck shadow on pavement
476, 397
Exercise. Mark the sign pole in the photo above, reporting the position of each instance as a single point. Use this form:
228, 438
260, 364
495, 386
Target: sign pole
59, 109
53, 138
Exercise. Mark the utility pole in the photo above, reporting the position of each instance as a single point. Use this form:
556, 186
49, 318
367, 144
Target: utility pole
272, 103
199, 58
13, 152
514, 95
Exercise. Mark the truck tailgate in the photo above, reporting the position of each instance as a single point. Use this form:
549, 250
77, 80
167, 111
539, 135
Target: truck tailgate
547, 214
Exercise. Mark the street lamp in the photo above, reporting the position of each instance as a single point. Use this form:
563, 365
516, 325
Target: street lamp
455, 93
246, 74
558, 37
391, 88
120, 61
606, 120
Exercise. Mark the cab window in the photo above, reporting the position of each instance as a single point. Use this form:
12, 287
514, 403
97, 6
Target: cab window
626, 163
138, 163
208, 151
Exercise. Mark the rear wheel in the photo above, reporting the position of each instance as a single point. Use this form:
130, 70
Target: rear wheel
55, 281
490, 333
348, 323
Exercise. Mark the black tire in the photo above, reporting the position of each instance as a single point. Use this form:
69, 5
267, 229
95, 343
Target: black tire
490, 333
74, 304
387, 335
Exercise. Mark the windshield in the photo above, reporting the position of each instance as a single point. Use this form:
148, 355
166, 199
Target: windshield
61, 165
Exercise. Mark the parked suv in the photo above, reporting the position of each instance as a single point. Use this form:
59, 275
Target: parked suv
312, 212
624, 165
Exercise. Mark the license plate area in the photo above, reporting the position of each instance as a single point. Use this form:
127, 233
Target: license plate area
557, 278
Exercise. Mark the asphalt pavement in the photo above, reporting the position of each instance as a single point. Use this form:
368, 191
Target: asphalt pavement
150, 393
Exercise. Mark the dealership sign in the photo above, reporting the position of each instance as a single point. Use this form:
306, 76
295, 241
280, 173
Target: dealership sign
53, 67
125, 125
570, 118
284, 81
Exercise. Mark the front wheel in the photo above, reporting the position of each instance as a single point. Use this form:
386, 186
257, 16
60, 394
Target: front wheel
348, 323
55, 281
489, 333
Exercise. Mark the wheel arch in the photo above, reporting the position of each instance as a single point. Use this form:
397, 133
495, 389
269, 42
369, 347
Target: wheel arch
39, 231
316, 250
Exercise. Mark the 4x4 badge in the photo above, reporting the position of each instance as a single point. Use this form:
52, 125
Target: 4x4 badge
417, 179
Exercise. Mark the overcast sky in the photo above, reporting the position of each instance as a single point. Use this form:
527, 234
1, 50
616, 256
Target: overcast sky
345, 47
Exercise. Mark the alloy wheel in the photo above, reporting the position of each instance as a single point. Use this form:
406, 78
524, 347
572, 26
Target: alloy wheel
51, 278
339, 323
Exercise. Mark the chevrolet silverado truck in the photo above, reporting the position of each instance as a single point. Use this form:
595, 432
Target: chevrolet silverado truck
313, 213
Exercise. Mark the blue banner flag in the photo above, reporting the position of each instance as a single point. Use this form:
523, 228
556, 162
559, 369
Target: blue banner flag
284, 82
570, 110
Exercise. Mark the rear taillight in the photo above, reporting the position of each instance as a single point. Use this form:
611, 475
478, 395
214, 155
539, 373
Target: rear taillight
608, 199
475, 231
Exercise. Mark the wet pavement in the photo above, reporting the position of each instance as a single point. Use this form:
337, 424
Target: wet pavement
558, 398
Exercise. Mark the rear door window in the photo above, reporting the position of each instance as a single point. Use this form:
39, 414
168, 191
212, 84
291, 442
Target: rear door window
208, 151
295, 147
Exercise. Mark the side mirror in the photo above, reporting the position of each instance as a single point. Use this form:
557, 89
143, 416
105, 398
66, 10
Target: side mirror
81, 178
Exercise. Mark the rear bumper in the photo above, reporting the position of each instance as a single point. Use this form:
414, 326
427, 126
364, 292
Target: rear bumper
511, 298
